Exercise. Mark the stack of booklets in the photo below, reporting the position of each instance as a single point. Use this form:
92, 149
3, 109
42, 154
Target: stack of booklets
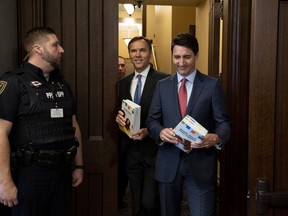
189, 130
132, 113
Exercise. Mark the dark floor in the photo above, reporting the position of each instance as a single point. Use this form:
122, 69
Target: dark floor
127, 211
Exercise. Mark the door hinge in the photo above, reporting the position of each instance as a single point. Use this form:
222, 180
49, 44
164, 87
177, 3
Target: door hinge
266, 199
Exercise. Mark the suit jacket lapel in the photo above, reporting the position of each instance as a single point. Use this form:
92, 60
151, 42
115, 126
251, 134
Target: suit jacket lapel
173, 92
197, 88
149, 83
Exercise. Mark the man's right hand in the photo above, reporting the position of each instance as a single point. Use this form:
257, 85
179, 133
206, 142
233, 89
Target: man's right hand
168, 135
120, 119
8, 194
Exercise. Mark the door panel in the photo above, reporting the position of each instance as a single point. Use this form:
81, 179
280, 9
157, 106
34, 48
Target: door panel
235, 81
281, 141
268, 110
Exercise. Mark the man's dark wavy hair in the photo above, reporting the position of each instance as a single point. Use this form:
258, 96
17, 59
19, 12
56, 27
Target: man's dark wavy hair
149, 42
187, 40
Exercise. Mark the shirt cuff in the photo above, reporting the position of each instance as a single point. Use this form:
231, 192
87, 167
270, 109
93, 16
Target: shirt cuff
219, 145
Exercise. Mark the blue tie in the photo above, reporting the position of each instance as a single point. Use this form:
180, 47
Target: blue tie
137, 95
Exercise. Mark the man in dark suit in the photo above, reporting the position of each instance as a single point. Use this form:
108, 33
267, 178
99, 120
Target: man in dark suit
141, 150
205, 102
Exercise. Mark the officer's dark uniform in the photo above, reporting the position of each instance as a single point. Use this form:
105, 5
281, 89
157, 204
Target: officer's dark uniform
42, 139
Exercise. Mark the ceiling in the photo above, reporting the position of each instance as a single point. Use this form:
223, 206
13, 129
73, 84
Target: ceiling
164, 2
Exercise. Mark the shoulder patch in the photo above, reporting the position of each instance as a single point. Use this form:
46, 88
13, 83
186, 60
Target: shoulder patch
3, 85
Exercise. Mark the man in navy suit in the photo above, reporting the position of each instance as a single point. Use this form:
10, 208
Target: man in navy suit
141, 150
175, 169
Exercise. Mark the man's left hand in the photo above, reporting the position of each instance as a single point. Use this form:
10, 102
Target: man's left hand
140, 134
208, 141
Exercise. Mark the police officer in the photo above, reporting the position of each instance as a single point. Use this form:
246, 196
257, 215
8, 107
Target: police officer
40, 139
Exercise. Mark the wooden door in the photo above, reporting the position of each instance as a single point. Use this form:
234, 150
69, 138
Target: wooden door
268, 109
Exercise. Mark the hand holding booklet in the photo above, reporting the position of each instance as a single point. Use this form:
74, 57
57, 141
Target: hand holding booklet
132, 112
189, 130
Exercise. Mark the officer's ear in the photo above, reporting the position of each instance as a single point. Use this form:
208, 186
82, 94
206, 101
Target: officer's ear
38, 49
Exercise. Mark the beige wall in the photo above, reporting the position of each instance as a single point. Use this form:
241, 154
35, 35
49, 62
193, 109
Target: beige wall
134, 27
163, 33
183, 17
165, 22
150, 20
151, 32
202, 30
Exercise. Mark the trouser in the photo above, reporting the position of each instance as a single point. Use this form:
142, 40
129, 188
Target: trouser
143, 186
201, 196
44, 191
122, 175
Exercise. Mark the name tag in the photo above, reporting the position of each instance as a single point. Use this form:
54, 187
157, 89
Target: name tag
56, 113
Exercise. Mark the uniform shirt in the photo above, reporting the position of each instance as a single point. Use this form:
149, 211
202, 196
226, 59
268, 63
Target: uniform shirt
14, 97
30, 99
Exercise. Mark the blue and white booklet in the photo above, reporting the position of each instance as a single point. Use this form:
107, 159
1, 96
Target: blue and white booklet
189, 130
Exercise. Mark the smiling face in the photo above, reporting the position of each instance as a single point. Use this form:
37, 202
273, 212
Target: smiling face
184, 59
140, 54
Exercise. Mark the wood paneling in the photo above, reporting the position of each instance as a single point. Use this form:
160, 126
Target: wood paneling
30, 14
281, 135
8, 36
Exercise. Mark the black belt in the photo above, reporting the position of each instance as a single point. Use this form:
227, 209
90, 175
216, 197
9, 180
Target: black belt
47, 158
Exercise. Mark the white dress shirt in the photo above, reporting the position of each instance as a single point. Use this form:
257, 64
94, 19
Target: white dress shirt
135, 80
189, 83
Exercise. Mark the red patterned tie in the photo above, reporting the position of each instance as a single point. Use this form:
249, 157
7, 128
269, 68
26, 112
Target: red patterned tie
182, 97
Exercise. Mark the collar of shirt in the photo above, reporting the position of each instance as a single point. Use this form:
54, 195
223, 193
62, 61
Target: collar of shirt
189, 83
144, 75
39, 72
190, 78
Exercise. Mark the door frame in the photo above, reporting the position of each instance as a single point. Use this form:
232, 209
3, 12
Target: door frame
235, 81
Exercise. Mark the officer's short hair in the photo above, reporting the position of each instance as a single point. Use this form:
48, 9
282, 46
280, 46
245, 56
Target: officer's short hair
37, 34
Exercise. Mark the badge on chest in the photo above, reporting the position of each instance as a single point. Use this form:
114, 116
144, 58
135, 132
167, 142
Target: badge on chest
56, 113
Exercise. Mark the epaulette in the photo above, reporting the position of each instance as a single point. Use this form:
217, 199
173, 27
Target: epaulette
18, 70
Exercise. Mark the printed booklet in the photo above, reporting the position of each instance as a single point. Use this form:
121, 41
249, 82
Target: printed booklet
132, 113
189, 130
